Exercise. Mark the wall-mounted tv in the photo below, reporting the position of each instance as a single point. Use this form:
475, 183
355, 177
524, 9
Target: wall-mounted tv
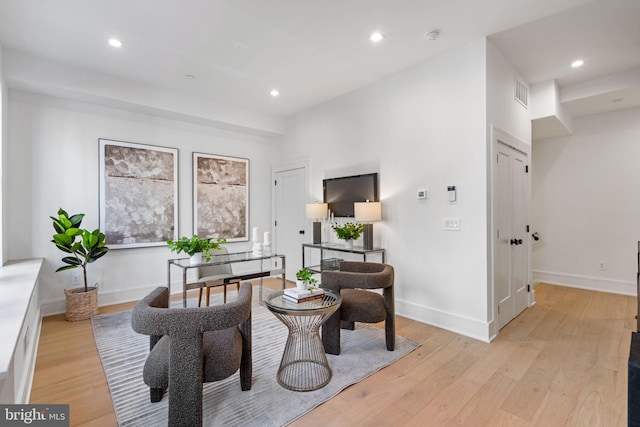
342, 193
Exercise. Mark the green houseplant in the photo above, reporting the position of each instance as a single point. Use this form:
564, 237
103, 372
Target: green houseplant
305, 278
194, 245
85, 248
348, 232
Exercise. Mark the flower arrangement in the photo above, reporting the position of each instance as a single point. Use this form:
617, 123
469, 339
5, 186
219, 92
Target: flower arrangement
194, 244
348, 231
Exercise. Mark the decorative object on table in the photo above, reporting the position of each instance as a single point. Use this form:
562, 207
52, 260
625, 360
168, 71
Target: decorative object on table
195, 247
355, 282
266, 245
221, 196
138, 194
257, 245
298, 295
305, 279
316, 211
189, 348
367, 212
349, 231
81, 303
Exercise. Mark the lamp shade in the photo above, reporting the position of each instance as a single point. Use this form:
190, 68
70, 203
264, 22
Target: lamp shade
316, 210
368, 211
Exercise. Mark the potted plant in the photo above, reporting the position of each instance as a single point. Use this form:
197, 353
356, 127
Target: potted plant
305, 279
81, 303
348, 232
195, 247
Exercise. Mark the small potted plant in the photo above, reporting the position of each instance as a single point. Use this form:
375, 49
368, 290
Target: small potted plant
305, 279
81, 303
348, 232
195, 247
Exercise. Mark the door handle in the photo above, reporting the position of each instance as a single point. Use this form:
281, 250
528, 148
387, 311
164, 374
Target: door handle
519, 241
516, 242
301, 231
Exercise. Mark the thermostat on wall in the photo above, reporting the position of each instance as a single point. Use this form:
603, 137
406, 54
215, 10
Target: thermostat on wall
423, 194
452, 193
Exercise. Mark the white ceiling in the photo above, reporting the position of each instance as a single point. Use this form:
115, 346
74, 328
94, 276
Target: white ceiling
313, 51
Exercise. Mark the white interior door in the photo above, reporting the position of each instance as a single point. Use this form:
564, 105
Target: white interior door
511, 253
289, 214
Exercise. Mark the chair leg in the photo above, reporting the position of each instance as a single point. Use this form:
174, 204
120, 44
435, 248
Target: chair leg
331, 334
208, 295
224, 298
347, 324
390, 333
156, 394
199, 297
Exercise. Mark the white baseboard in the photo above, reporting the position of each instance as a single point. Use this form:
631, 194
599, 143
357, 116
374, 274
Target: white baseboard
585, 282
57, 306
471, 328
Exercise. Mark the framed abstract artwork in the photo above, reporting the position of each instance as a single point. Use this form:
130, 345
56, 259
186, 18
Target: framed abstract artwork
221, 197
138, 194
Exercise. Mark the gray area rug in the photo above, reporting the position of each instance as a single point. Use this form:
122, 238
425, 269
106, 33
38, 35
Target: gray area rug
123, 353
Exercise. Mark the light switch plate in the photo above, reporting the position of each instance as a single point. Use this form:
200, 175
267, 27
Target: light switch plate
423, 194
452, 224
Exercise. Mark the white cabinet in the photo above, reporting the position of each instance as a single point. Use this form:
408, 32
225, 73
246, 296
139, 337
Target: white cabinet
20, 324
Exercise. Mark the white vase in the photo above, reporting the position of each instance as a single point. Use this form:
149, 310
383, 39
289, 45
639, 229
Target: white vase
348, 244
195, 258
300, 284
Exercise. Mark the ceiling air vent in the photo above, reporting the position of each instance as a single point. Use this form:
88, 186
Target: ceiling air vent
521, 92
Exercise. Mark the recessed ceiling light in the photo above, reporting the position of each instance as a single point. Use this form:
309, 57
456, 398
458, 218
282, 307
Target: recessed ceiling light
432, 35
115, 43
577, 63
376, 37
274, 92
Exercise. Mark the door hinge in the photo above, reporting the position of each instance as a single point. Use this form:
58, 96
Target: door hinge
528, 288
526, 169
275, 223
527, 228
498, 308
275, 182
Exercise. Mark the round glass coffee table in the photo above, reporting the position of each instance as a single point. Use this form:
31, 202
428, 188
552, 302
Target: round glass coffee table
304, 365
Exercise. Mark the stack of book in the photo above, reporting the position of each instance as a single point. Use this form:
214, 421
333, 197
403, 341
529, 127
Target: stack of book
301, 295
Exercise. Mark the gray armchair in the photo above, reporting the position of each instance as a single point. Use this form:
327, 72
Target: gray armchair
189, 346
359, 304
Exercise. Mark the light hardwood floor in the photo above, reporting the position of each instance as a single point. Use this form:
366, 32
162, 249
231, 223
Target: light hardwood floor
561, 362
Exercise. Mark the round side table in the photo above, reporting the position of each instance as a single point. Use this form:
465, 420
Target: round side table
304, 365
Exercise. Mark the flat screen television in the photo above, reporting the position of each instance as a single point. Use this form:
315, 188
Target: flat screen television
342, 193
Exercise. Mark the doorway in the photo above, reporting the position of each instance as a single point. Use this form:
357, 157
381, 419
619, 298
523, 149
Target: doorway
511, 252
289, 198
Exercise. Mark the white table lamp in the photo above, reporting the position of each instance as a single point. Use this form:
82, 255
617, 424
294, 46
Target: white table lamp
367, 212
316, 211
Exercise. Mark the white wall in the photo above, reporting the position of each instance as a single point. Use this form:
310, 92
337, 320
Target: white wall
53, 160
586, 204
4, 100
424, 127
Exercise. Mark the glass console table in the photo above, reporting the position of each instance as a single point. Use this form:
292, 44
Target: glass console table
262, 266
333, 263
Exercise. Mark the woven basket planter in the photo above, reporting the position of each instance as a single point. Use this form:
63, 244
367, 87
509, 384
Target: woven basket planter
81, 305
